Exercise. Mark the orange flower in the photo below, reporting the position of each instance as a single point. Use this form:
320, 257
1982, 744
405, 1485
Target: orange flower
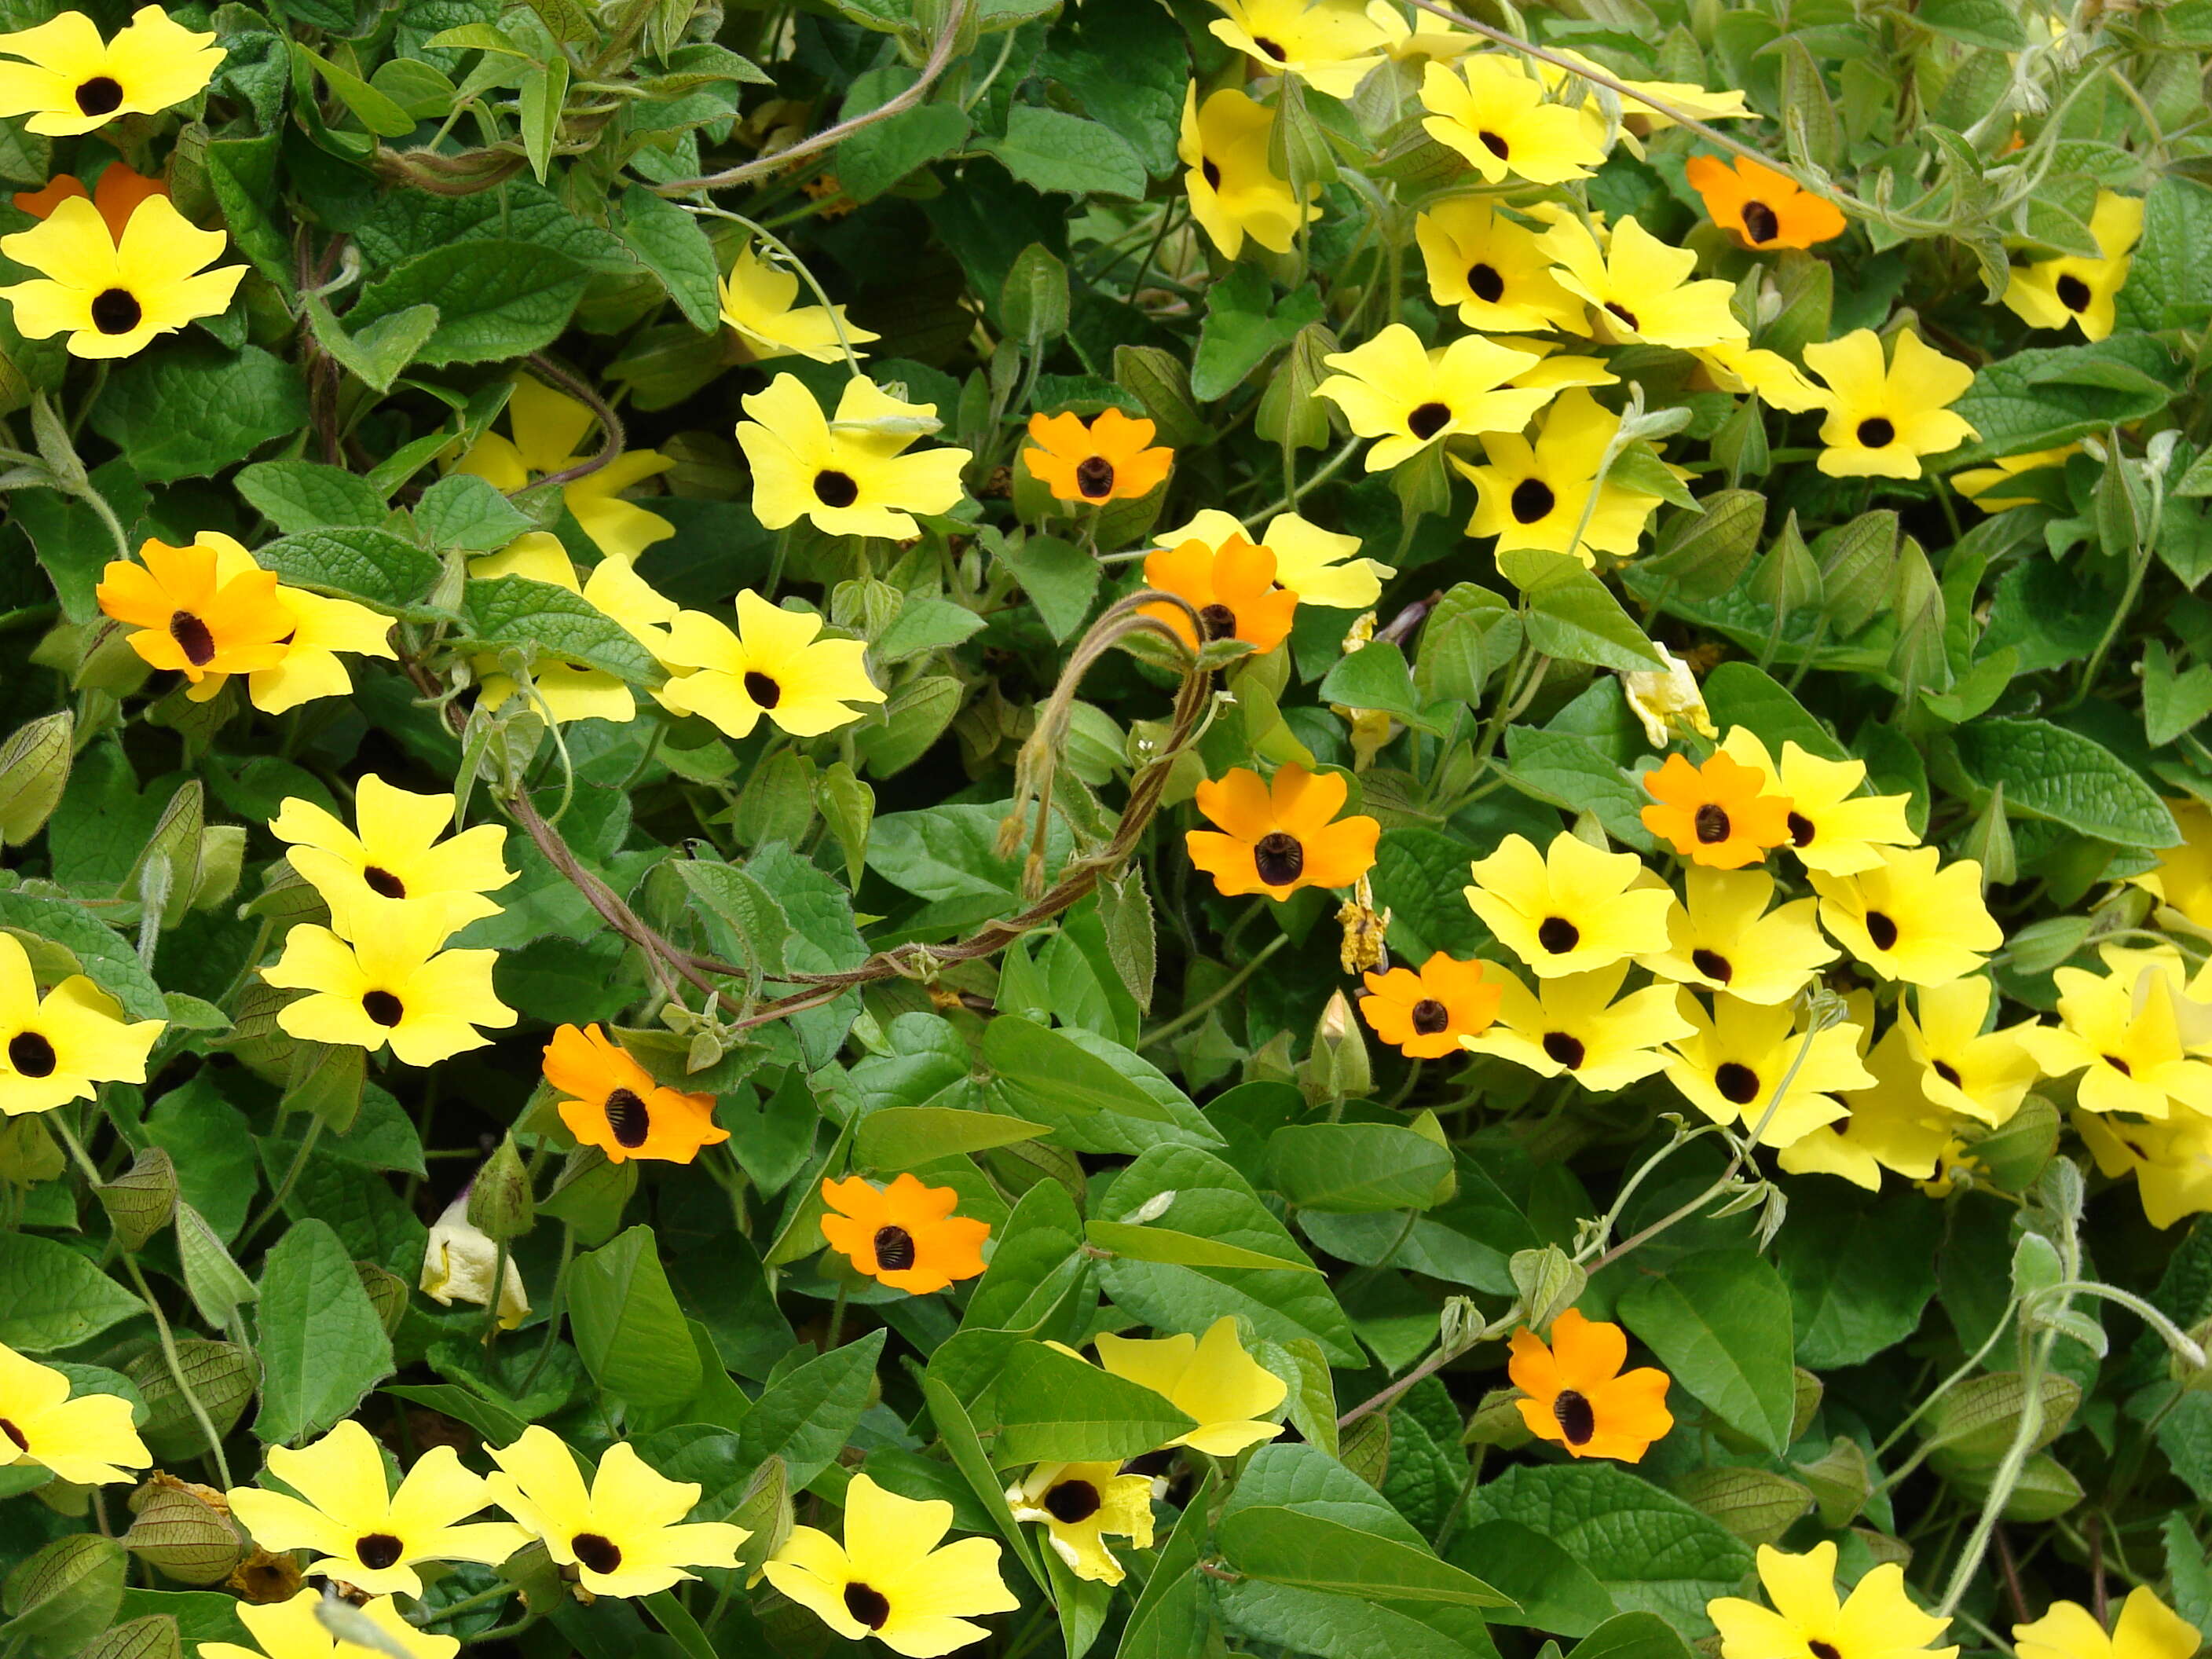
1281, 837
1106, 461
1764, 208
905, 1234
614, 1105
1578, 1396
190, 618
1716, 814
1424, 1015
1232, 588
116, 195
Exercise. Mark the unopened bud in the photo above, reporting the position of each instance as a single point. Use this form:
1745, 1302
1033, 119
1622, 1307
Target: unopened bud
141, 1200
34, 769
184, 1530
500, 1204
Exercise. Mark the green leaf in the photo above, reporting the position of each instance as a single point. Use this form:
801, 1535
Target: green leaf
462, 511
2049, 772
355, 561
65, 1594
1860, 1269
553, 625
1720, 1323
2173, 701
371, 107
1573, 615
1469, 635
52, 1297
1573, 774
958, 1435
1040, 1073
1059, 578
1291, 1546
1050, 150
1633, 1635
629, 1333
1145, 1243
1738, 694
806, 1416
902, 1137
1375, 677
2170, 274
1172, 1612
189, 410
296, 495
2040, 399
1352, 1168
673, 244
1554, 1591
494, 300
878, 155
322, 1347
1243, 328
1054, 1408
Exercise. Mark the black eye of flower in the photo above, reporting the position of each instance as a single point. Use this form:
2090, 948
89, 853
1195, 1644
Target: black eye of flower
1760, 222
762, 690
1071, 1501
1532, 500
1278, 858
1577, 1418
1428, 419
1877, 432
1485, 284
100, 95
116, 311
834, 489
894, 1249
2074, 293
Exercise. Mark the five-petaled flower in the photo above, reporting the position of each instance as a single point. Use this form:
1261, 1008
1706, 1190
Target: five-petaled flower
1492, 267
1536, 494
1722, 937
1277, 837
1235, 190
550, 429
1571, 908
295, 1629
86, 1439
1833, 829
2071, 291
1878, 1621
1211, 1377
70, 81
60, 1046
395, 984
1884, 418
1396, 389
1765, 209
1907, 918
393, 862
112, 294
1330, 44
852, 474
1640, 289
759, 305
2146, 1629
1493, 112
773, 663
610, 1101
1231, 586
905, 1235
1578, 1396
1105, 460
1734, 1067
1080, 1505
1580, 1025
1720, 813
1424, 1014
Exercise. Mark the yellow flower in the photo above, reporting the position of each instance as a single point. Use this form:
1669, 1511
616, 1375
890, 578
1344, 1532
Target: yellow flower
1491, 267
363, 1533
850, 476
1320, 566
458, 1258
1990, 487
1396, 389
759, 305
1573, 1024
294, 1630
1426, 36
2053, 293
1739, 366
1235, 191
394, 985
568, 691
1493, 112
1731, 1066
2147, 1628
772, 665
1079, 1503
113, 296
1640, 287
893, 1577
1572, 909
1906, 919
1722, 938
1983, 1075
2181, 881
1832, 830
2172, 1160
1686, 96
59, 1047
1667, 700
550, 427
2121, 1031
86, 1440
1883, 419
623, 1534
70, 81
1330, 44
1890, 1126
1211, 1378
394, 859
1534, 494
1879, 1620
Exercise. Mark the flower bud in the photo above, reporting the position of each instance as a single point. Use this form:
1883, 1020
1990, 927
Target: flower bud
34, 769
184, 1529
500, 1204
458, 1262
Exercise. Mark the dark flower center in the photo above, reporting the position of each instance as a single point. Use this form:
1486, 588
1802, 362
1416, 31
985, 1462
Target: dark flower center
1431, 1016
1823, 1650
1071, 1501
1800, 830
1577, 1420
377, 1550
22, 1443
1220, 621
1094, 477
1271, 48
192, 638
1496, 145
2119, 1065
1737, 1082
1532, 500
894, 1250
867, 1605
629, 1119
835, 489
383, 1007
30, 1054
1712, 823
1712, 964
1565, 1050
1946, 1071
1877, 432
100, 95
762, 690
116, 311
1621, 311
1212, 174
1278, 858
1760, 222
1428, 419
597, 1552
1558, 935
1881, 930
382, 883
1485, 284
2073, 293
